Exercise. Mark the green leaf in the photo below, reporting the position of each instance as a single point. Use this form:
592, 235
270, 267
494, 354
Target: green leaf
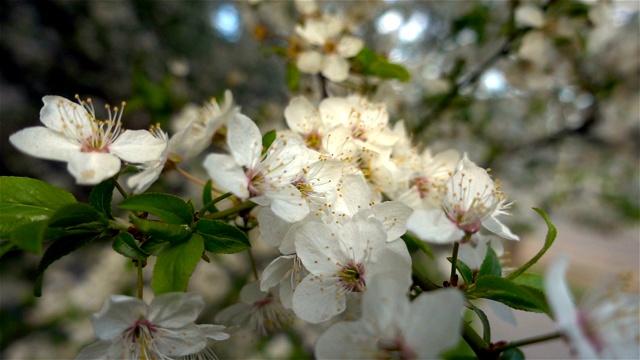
64, 245
101, 197
413, 244
169, 208
512, 354
293, 77
486, 326
222, 238
206, 193
175, 265
5, 247
490, 264
125, 244
29, 236
161, 230
23, 200
153, 246
369, 62
465, 271
502, 290
74, 215
535, 281
548, 241
268, 139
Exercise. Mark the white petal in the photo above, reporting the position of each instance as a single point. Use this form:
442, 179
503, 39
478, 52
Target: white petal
288, 203
335, 111
91, 168
301, 116
433, 226
44, 143
350, 46
274, 229
346, 340
138, 146
118, 313
224, 172
214, 331
360, 237
141, 181
492, 224
394, 216
335, 68
384, 304
309, 62
174, 310
101, 350
502, 311
234, 314
316, 299
435, 322
186, 340
275, 271
58, 113
317, 247
244, 140
562, 306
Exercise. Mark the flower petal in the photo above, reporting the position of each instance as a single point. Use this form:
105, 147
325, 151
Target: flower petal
175, 310
301, 116
118, 313
138, 146
245, 141
495, 226
350, 46
335, 68
317, 247
316, 299
224, 171
309, 62
346, 340
44, 143
91, 168
60, 114
102, 350
214, 331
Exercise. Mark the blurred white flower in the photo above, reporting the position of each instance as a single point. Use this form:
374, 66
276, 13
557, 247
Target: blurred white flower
128, 328
605, 325
391, 327
92, 148
331, 48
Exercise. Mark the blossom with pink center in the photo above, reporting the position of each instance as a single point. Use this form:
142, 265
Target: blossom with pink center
128, 328
92, 148
604, 325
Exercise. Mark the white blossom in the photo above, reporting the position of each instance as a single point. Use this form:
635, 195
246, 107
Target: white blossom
92, 148
128, 328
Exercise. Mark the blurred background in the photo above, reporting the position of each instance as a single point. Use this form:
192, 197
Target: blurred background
546, 93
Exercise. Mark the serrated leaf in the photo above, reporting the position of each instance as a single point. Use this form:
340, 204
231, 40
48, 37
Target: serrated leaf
126, 245
502, 290
490, 264
535, 281
175, 265
464, 270
222, 238
548, 241
164, 231
62, 246
29, 236
153, 246
101, 197
23, 200
268, 139
169, 208
74, 215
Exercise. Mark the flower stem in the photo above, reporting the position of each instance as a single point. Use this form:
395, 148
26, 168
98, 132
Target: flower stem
189, 176
120, 189
474, 340
529, 341
454, 260
253, 264
140, 279
206, 207
234, 210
